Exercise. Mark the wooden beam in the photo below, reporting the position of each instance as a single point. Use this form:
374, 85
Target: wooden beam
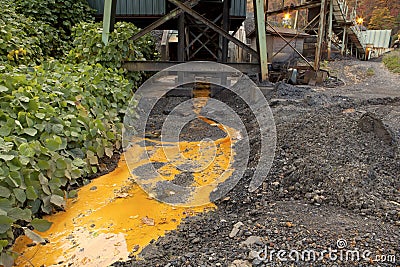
330, 34
344, 41
289, 44
321, 33
212, 25
173, 14
161, 65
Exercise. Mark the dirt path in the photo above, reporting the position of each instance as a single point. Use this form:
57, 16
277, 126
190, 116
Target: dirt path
333, 191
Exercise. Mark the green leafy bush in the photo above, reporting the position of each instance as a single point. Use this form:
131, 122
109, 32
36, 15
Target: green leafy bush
392, 61
21, 38
89, 48
56, 122
60, 15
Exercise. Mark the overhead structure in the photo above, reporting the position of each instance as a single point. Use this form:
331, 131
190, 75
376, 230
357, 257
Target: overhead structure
203, 30
206, 27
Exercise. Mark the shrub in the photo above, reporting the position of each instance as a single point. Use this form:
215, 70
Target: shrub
392, 61
56, 122
21, 38
89, 48
60, 16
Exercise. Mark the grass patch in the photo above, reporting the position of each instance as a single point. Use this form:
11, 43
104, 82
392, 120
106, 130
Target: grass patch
392, 61
370, 72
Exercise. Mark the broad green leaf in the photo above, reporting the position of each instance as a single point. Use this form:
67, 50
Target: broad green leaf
6, 259
31, 193
57, 128
52, 144
26, 150
46, 189
93, 160
40, 115
23, 99
5, 204
61, 163
109, 152
24, 160
41, 225
3, 244
3, 88
5, 223
5, 130
7, 157
57, 200
43, 179
30, 131
72, 194
4, 192
43, 164
19, 195
20, 214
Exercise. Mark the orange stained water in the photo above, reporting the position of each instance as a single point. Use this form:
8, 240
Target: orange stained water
112, 217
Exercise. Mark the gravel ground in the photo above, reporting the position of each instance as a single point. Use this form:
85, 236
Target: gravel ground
334, 184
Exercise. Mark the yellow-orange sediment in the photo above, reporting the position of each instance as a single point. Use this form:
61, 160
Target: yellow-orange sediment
113, 217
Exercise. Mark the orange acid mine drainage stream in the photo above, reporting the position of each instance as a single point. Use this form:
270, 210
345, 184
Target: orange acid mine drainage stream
113, 218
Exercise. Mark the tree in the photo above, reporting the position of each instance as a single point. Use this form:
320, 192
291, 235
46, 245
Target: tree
381, 19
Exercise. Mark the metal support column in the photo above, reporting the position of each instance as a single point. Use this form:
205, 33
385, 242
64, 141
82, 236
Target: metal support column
321, 33
261, 37
330, 29
110, 7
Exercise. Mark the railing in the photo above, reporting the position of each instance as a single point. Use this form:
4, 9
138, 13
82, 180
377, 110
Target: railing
351, 18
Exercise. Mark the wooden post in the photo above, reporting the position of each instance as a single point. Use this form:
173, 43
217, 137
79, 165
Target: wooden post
344, 40
261, 37
181, 38
225, 26
321, 32
330, 29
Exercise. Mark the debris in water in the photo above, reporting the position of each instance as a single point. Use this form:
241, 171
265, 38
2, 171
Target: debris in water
148, 221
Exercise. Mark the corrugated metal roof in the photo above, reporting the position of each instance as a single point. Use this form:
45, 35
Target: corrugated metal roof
378, 38
133, 7
238, 8
157, 7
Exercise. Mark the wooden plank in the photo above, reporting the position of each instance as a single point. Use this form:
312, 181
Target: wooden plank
161, 65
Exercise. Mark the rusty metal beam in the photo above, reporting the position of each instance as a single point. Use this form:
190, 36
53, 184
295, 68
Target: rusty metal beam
213, 26
173, 14
161, 65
